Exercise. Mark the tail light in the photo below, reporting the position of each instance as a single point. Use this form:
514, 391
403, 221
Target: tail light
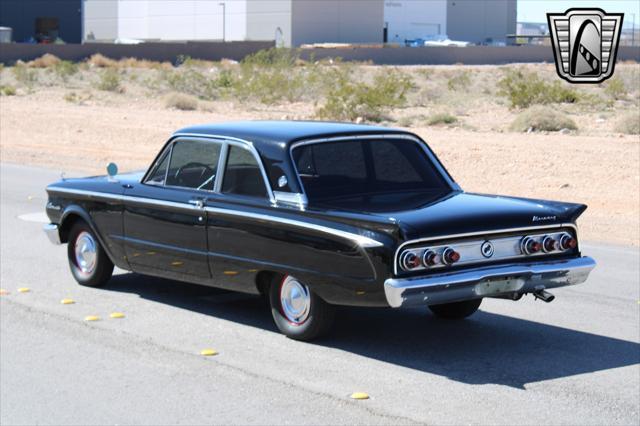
549, 244
430, 258
530, 246
409, 261
567, 242
450, 256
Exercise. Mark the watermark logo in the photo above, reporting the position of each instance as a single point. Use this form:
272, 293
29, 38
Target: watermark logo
585, 43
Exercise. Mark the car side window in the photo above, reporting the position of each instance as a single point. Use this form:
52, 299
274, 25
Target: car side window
242, 175
193, 164
156, 177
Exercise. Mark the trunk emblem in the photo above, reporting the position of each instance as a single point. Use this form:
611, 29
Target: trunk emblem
486, 249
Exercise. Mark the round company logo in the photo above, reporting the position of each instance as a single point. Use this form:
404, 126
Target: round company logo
486, 249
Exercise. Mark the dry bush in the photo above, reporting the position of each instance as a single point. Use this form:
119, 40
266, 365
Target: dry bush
101, 61
615, 88
542, 119
110, 81
143, 63
629, 124
441, 118
524, 89
45, 61
7, 90
182, 102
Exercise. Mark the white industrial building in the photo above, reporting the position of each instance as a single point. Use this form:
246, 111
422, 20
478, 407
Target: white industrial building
289, 22
475, 21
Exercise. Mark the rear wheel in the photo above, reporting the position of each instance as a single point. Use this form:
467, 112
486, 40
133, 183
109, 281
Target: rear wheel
298, 313
456, 310
88, 261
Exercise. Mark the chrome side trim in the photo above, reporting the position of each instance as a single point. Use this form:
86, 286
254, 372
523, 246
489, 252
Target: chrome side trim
480, 233
53, 233
487, 282
361, 240
291, 198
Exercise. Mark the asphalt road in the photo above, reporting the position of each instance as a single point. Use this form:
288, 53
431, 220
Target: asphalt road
573, 361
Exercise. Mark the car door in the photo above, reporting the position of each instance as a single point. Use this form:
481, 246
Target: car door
164, 215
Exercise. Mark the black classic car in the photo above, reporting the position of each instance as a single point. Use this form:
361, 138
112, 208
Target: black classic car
313, 215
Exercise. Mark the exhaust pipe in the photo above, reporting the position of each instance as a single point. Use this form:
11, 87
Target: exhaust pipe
544, 295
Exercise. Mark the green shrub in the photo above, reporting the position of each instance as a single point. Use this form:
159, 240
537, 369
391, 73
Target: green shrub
629, 124
459, 81
24, 75
110, 81
441, 118
7, 90
182, 102
191, 81
65, 69
540, 118
270, 76
615, 88
349, 100
524, 89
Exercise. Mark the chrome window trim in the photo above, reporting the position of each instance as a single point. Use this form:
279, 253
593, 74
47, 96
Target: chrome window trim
481, 233
423, 145
291, 198
242, 143
361, 240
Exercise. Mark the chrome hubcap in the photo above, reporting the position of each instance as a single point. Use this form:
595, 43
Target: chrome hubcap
86, 252
295, 300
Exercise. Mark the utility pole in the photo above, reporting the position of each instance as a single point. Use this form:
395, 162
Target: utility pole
224, 19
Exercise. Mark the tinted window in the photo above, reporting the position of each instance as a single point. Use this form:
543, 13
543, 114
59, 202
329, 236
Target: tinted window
193, 164
350, 173
160, 171
242, 175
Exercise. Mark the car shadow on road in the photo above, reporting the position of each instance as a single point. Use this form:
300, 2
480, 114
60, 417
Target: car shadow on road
487, 348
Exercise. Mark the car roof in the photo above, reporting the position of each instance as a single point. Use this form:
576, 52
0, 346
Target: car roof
269, 134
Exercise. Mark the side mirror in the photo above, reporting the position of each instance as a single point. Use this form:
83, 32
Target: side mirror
112, 169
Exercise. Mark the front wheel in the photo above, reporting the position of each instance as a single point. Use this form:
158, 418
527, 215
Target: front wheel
88, 261
299, 313
456, 310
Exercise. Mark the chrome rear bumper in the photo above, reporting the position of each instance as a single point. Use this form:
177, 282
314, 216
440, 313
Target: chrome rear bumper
51, 229
487, 282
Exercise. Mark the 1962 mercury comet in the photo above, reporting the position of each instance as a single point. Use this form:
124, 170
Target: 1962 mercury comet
314, 215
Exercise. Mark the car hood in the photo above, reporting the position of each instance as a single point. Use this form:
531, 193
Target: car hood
462, 212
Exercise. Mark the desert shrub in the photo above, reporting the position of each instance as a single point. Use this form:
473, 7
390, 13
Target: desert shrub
192, 82
540, 118
142, 63
101, 61
45, 61
110, 81
615, 88
182, 102
270, 76
524, 89
459, 81
7, 90
24, 75
349, 100
629, 124
441, 118
65, 69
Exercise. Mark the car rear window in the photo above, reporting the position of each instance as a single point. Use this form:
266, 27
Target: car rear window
348, 173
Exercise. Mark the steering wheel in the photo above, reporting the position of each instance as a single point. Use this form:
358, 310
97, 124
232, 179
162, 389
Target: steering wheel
206, 170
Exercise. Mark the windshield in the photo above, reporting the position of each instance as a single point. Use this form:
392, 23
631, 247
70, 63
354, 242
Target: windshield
368, 174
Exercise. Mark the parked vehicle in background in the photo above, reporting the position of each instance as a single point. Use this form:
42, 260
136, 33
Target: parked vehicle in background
313, 215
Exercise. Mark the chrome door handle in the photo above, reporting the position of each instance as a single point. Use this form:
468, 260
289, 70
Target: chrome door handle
197, 202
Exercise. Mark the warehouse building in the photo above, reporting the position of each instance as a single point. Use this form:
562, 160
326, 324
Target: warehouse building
288, 22
475, 21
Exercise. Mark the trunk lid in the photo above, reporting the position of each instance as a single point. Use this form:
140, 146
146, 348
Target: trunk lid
462, 212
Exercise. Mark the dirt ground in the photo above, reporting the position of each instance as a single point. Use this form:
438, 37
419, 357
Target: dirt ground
602, 170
